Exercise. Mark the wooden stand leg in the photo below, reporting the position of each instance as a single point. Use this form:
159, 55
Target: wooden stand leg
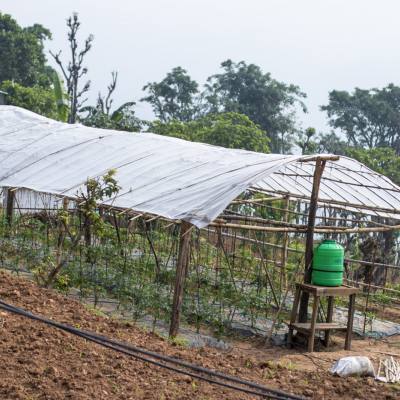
350, 318
329, 316
313, 322
293, 316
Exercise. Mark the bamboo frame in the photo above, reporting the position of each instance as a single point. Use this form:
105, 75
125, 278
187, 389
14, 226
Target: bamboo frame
253, 224
302, 229
337, 203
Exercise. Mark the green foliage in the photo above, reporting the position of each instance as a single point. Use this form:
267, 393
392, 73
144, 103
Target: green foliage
174, 98
331, 143
172, 128
97, 190
122, 119
312, 143
231, 130
60, 97
246, 89
368, 117
23, 60
37, 99
306, 141
382, 159
101, 116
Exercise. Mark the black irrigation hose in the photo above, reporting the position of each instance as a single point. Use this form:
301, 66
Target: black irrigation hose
250, 387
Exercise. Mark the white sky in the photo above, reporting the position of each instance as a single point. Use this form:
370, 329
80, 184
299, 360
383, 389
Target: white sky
319, 45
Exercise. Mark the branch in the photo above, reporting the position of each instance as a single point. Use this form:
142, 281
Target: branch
59, 62
111, 87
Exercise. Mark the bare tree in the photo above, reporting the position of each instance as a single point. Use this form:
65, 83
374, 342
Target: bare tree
105, 103
75, 70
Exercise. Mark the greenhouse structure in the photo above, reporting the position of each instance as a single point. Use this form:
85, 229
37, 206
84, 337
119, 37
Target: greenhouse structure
178, 230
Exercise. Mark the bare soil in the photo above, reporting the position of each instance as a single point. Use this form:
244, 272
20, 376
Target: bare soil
40, 362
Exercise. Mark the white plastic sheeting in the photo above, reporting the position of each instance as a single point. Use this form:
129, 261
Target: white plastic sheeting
162, 175
345, 183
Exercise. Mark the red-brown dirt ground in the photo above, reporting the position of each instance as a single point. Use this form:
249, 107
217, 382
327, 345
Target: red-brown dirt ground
40, 362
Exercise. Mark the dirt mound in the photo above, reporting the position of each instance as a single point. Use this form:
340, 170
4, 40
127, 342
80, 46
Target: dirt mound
40, 362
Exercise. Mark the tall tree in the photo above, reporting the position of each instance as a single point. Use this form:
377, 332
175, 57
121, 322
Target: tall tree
368, 118
382, 159
246, 89
175, 97
74, 71
22, 56
37, 99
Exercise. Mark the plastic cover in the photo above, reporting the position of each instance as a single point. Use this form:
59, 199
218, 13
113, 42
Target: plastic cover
163, 175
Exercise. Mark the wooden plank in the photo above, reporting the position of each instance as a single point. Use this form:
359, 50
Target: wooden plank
319, 326
343, 290
181, 273
323, 157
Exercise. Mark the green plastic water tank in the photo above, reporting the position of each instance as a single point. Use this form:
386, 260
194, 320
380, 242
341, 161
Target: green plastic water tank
328, 264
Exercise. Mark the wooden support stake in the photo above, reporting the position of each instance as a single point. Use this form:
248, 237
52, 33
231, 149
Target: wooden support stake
350, 319
314, 315
181, 273
10, 205
329, 315
319, 169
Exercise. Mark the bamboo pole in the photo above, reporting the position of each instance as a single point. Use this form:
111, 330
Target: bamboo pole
260, 200
285, 244
302, 229
181, 273
318, 171
322, 217
223, 218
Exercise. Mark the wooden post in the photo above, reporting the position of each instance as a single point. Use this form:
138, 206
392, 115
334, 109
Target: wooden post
329, 316
293, 315
181, 273
350, 319
318, 171
10, 205
311, 337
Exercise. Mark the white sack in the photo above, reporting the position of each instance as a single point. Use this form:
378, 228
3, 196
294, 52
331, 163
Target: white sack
356, 365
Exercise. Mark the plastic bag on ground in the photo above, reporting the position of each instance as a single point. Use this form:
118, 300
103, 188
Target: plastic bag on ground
350, 366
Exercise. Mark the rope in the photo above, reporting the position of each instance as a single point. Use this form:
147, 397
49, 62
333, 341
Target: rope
163, 361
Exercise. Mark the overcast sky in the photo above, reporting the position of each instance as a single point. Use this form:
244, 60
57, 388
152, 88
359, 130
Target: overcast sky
319, 45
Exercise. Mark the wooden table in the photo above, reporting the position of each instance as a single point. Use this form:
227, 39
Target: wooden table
309, 328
